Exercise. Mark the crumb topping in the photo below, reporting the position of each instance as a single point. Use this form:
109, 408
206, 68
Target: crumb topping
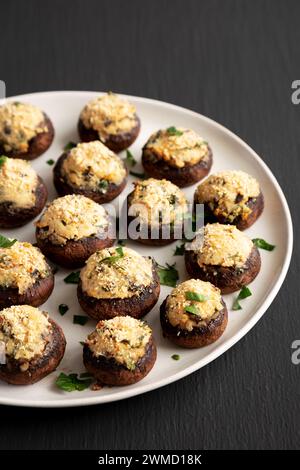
18, 183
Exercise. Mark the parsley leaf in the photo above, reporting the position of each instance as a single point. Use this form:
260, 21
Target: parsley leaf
72, 278
192, 309
114, 258
69, 146
130, 160
71, 382
261, 243
176, 357
6, 242
168, 275
103, 186
179, 250
244, 293
173, 131
195, 296
80, 320
63, 308
3, 159
50, 162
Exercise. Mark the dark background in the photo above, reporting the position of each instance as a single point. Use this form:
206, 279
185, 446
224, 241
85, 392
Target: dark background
233, 61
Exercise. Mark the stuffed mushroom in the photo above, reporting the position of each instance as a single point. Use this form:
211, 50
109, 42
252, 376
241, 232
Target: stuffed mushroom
71, 229
23, 193
231, 197
177, 154
31, 343
224, 256
25, 131
121, 351
157, 209
25, 276
194, 314
111, 119
118, 281
90, 169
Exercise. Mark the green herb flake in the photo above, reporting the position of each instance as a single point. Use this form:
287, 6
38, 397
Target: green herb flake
82, 343
142, 176
85, 375
130, 160
6, 242
179, 250
63, 308
176, 357
168, 275
173, 131
114, 258
3, 159
103, 186
72, 278
261, 243
50, 162
71, 382
80, 320
69, 146
121, 242
244, 293
195, 296
192, 309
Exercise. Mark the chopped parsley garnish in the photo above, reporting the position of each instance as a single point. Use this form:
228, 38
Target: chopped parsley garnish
261, 243
80, 320
3, 159
103, 185
6, 242
179, 250
114, 258
142, 176
63, 308
176, 357
192, 309
130, 160
85, 375
71, 382
69, 146
173, 131
244, 293
195, 296
168, 275
50, 162
82, 343
72, 278
121, 242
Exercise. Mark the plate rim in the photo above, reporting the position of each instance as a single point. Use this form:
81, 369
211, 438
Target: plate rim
128, 392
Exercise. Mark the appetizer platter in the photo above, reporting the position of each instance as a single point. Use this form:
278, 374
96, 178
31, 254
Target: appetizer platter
90, 313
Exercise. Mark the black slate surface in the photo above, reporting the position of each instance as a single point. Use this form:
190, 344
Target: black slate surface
233, 61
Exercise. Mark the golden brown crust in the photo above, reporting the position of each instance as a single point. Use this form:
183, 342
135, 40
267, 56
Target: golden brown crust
198, 337
136, 306
38, 145
41, 365
109, 372
227, 279
117, 142
11, 216
35, 295
185, 176
63, 187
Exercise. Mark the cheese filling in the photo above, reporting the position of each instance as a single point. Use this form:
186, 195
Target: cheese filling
227, 193
21, 266
108, 275
72, 217
109, 115
25, 331
89, 164
157, 202
18, 183
221, 245
203, 311
123, 339
19, 123
178, 146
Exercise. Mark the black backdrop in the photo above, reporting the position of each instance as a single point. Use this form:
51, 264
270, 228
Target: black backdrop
233, 61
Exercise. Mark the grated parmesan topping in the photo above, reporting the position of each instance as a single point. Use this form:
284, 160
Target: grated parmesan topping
24, 331
123, 278
123, 339
21, 265
88, 164
72, 217
109, 115
18, 183
188, 148
206, 311
19, 123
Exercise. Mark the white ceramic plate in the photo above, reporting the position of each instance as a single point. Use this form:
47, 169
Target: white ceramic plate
274, 225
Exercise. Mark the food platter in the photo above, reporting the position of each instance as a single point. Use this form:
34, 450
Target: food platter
275, 226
